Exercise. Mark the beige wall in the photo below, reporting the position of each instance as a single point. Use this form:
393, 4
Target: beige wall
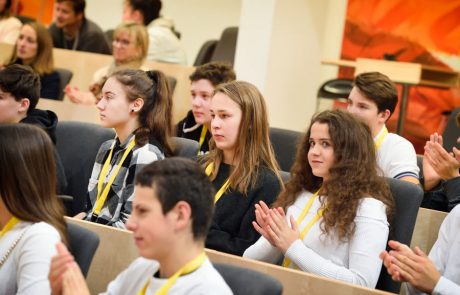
197, 20
280, 44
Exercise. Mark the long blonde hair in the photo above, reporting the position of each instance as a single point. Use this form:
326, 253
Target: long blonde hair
253, 147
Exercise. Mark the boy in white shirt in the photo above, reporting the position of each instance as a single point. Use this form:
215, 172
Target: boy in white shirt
171, 214
373, 99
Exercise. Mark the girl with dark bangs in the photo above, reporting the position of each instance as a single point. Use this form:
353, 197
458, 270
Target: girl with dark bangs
337, 208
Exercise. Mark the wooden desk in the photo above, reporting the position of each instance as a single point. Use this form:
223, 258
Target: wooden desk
108, 262
404, 73
84, 64
68, 111
426, 228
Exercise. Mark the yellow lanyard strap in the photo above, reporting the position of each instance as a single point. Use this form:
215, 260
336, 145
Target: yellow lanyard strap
378, 142
307, 227
9, 225
224, 187
102, 195
204, 130
191, 266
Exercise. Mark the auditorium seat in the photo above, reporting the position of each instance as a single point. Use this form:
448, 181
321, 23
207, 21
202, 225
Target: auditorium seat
184, 147
284, 144
245, 281
407, 197
83, 244
77, 145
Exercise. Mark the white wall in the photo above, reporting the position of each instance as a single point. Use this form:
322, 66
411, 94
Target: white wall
197, 20
280, 46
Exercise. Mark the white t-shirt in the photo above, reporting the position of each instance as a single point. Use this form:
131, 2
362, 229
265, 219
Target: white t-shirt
355, 261
445, 255
27, 267
396, 157
204, 280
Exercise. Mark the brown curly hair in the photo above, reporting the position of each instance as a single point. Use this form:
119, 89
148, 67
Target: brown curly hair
352, 177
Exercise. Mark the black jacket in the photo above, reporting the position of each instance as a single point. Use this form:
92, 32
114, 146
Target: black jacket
47, 120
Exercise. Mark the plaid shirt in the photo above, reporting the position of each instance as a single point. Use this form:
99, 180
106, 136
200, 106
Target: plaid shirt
118, 205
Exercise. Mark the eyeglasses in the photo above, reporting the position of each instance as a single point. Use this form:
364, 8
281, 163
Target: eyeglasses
122, 42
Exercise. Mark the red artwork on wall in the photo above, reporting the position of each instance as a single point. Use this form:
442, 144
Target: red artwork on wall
420, 31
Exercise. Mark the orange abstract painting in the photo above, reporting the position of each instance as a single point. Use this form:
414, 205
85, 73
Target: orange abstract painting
420, 31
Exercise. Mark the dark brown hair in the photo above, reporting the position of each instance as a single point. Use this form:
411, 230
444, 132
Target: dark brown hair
28, 176
353, 175
253, 147
378, 88
22, 82
78, 6
150, 9
216, 72
155, 117
178, 179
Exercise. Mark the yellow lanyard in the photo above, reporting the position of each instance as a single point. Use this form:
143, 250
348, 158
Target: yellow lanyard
9, 225
204, 130
307, 227
224, 187
191, 266
378, 142
102, 195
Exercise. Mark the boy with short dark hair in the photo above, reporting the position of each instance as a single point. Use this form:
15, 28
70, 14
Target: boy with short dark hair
196, 125
373, 99
19, 95
171, 215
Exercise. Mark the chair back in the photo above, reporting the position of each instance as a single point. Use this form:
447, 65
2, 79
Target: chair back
226, 47
245, 281
205, 53
77, 145
65, 76
83, 244
407, 197
184, 147
284, 144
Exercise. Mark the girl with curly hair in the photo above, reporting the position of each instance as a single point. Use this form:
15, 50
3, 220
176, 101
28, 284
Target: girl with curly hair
337, 207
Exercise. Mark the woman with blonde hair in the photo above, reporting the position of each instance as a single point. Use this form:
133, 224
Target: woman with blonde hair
241, 165
337, 207
130, 44
31, 217
34, 48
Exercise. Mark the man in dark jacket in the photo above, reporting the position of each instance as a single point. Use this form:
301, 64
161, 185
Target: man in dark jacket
19, 94
72, 30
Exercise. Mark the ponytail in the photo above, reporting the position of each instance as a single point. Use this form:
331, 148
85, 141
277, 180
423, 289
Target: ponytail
155, 117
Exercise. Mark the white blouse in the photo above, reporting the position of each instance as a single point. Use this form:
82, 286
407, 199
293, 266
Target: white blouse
354, 261
26, 269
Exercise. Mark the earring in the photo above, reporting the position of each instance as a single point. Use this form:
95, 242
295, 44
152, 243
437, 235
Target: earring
132, 111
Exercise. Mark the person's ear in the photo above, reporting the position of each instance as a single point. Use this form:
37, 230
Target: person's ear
384, 115
182, 215
137, 105
24, 105
138, 17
